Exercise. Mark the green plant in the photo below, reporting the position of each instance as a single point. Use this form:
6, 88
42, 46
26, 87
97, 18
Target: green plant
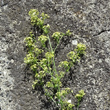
42, 39
64, 103
65, 65
42, 61
74, 56
80, 50
57, 36
79, 97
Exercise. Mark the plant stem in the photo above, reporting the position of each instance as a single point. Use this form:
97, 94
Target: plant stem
53, 57
58, 44
54, 65
50, 43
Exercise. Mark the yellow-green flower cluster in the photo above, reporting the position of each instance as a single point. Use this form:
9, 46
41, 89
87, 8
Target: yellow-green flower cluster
57, 36
43, 40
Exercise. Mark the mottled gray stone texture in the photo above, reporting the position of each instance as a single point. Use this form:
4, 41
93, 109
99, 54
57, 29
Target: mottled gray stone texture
89, 21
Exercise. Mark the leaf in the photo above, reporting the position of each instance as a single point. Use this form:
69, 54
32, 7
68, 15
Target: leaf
49, 84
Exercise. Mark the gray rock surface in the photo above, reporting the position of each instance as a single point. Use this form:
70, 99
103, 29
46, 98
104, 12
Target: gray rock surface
89, 20
6, 82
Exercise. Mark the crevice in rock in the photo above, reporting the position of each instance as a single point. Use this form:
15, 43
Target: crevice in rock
102, 31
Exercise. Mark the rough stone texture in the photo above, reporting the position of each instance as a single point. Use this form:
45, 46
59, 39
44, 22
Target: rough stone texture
89, 20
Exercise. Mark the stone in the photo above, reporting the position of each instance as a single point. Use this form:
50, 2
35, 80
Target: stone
74, 42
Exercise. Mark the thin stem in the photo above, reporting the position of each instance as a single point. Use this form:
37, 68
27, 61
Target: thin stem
50, 43
53, 57
77, 107
49, 68
57, 44
54, 65
46, 48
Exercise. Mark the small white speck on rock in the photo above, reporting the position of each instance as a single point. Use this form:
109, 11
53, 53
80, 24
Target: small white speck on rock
74, 42
69, 101
12, 61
